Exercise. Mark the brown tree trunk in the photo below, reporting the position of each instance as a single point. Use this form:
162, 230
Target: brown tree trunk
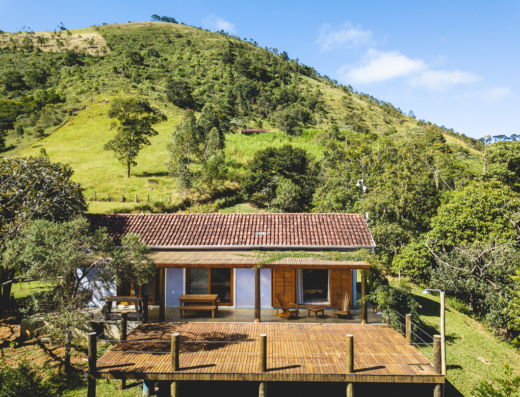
128, 170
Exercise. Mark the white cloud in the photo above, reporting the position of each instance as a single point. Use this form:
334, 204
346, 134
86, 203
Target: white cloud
490, 94
217, 23
440, 80
380, 66
344, 36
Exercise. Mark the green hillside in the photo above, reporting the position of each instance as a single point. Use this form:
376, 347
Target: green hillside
59, 87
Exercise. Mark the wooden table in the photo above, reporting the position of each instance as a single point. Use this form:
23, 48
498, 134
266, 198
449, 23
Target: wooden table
199, 300
109, 299
315, 310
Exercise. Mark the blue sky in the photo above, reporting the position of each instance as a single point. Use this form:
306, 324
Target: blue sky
454, 63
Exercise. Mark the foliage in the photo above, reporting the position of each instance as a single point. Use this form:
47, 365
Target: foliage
22, 381
265, 172
287, 195
480, 211
507, 385
179, 93
135, 118
503, 163
514, 306
394, 300
414, 260
74, 261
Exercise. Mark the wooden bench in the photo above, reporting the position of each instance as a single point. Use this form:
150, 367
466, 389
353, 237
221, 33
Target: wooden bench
198, 308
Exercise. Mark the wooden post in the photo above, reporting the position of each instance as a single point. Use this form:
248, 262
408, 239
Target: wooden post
437, 355
350, 354
162, 309
262, 353
175, 352
145, 308
109, 197
122, 198
262, 390
443, 333
408, 329
350, 363
437, 391
94, 196
92, 358
364, 313
148, 197
123, 332
174, 389
257, 295
136, 197
123, 328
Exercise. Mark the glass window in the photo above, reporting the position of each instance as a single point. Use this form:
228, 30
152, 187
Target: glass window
221, 284
199, 280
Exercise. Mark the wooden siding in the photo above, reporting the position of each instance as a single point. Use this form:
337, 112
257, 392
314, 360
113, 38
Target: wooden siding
341, 282
284, 280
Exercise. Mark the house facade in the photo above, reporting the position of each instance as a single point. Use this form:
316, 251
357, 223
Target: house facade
216, 253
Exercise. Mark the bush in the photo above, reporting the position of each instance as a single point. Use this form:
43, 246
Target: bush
507, 386
21, 381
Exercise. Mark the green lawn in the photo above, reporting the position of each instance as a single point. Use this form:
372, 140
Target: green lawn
473, 353
25, 289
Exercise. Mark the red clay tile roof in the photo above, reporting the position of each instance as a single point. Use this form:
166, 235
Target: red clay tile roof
334, 231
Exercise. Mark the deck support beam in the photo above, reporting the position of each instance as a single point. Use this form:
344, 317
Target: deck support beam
350, 363
350, 389
257, 295
175, 389
262, 390
162, 298
408, 329
437, 391
364, 313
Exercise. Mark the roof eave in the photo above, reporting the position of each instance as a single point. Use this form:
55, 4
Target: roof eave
260, 247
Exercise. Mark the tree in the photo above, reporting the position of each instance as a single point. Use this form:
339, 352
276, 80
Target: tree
19, 132
271, 164
135, 118
13, 80
503, 163
287, 195
179, 94
74, 260
33, 188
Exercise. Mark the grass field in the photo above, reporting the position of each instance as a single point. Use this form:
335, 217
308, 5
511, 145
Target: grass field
473, 353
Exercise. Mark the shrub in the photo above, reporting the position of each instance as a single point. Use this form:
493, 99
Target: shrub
21, 381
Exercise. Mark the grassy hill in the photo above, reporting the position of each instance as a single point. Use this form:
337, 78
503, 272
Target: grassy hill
249, 83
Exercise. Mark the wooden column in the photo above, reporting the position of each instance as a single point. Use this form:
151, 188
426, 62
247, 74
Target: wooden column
262, 363
92, 358
174, 389
350, 363
162, 303
257, 295
123, 332
408, 329
145, 308
262, 390
437, 362
175, 352
364, 313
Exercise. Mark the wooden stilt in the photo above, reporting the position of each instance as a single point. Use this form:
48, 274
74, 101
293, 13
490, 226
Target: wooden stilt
364, 313
257, 295
350, 389
123, 327
92, 358
174, 389
437, 391
437, 354
122, 384
262, 390
162, 309
409, 329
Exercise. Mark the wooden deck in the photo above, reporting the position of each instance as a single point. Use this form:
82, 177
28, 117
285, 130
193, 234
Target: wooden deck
295, 352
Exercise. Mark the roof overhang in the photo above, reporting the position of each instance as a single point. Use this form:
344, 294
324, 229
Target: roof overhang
244, 259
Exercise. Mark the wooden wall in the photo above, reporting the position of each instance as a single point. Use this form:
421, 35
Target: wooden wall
284, 280
340, 282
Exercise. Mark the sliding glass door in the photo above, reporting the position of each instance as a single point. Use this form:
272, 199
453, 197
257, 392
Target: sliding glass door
212, 281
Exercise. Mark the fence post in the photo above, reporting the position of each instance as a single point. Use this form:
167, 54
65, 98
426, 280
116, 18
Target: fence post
92, 358
109, 197
262, 362
94, 196
136, 197
148, 198
437, 362
122, 198
350, 363
408, 329
145, 308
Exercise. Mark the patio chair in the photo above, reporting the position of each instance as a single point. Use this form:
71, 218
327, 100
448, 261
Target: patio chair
284, 305
341, 306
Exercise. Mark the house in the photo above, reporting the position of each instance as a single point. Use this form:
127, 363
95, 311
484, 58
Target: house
250, 131
213, 253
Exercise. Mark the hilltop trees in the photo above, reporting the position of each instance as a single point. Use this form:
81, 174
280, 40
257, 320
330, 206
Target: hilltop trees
134, 120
